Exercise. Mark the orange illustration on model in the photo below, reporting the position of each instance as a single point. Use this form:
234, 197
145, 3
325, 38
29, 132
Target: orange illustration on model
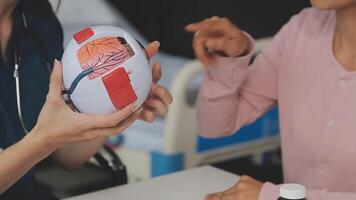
104, 54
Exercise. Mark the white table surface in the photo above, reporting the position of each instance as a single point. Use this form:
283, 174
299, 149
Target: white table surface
192, 184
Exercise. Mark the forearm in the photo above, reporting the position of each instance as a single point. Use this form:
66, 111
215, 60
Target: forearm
72, 156
233, 94
218, 99
17, 159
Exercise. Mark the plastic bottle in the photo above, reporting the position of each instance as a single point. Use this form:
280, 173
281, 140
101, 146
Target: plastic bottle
292, 192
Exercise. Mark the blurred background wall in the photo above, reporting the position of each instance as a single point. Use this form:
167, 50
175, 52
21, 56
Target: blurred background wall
164, 20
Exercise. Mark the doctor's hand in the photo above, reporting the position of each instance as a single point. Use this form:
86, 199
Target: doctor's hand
59, 125
159, 97
217, 36
245, 188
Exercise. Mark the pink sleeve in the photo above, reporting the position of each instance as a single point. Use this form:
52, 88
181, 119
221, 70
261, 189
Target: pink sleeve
233, 94
270, 191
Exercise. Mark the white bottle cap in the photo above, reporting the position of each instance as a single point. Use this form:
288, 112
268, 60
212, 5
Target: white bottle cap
292, 191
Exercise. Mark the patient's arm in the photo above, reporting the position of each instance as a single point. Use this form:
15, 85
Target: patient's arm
233, 94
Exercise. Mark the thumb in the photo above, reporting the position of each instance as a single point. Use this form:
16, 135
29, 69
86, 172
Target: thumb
56, 80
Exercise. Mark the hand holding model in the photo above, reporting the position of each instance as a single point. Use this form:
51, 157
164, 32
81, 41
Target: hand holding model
72, 137
58, 124
217, 36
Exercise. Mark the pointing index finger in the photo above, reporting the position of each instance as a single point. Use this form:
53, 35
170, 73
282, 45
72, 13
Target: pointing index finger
211, 27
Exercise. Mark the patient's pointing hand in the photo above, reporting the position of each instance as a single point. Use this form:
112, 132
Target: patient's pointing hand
217, 36
159, 97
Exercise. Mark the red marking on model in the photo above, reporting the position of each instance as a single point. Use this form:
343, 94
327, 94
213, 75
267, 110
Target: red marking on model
83, 35
120, 90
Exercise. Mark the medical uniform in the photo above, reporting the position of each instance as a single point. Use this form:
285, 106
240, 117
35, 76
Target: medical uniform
34, 80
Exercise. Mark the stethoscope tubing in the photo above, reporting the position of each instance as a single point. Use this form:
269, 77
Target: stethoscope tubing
17, 63
18, 98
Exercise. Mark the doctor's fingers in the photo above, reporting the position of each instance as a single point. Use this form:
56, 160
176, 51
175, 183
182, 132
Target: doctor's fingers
89, 121
106, 132
161, 93
156, 72
152, 48
157, 106
123, 125
147, 114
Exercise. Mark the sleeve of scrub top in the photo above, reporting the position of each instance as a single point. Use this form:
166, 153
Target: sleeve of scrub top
271, 191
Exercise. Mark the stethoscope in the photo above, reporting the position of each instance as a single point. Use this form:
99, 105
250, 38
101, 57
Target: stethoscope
25, 31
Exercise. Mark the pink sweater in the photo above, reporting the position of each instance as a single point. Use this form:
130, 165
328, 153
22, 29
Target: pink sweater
316, 97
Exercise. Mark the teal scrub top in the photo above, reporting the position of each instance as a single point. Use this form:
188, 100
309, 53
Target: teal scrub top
34, 80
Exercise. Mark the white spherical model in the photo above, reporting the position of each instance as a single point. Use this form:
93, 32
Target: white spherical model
105, 69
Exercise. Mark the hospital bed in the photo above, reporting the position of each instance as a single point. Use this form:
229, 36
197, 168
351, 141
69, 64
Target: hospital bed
171, 144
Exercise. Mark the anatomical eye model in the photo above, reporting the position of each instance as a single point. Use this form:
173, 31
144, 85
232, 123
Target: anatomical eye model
105, 69
103, 54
